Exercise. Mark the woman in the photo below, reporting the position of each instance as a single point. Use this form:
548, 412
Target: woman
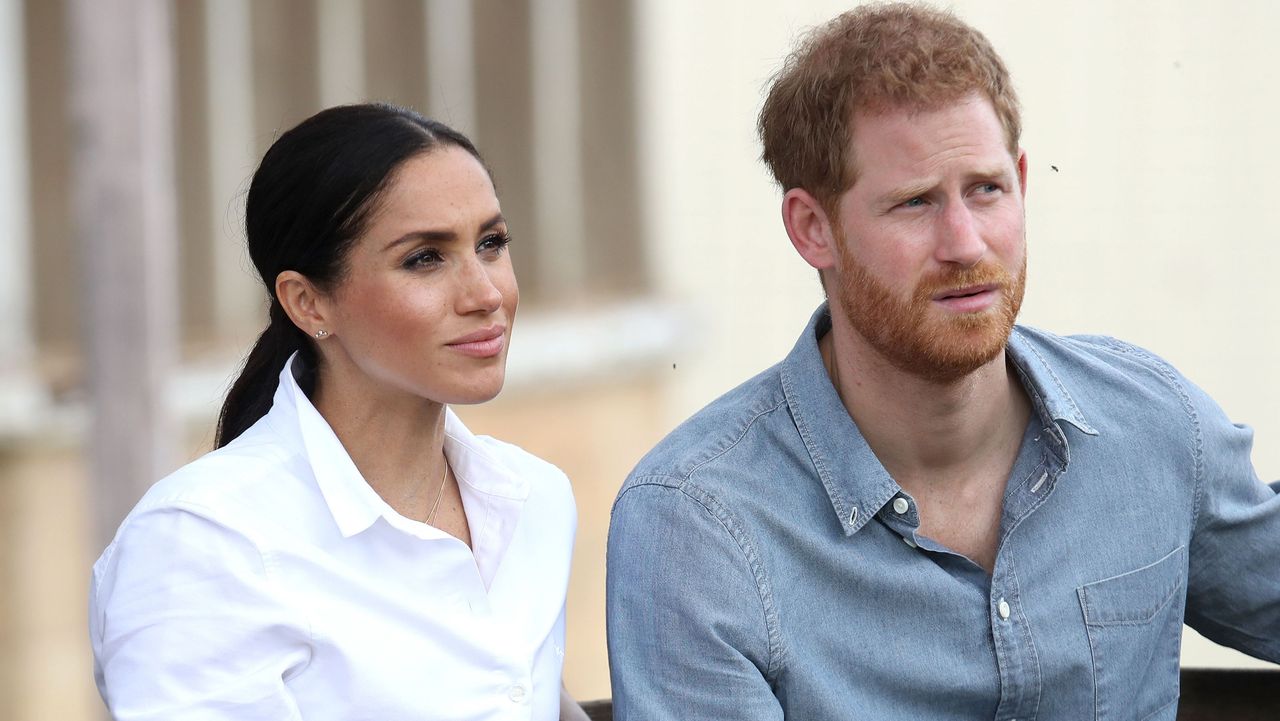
351, 550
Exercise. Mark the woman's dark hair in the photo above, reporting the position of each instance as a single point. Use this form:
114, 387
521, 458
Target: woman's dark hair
309, 201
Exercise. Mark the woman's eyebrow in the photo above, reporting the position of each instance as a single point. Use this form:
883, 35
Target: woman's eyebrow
440, 236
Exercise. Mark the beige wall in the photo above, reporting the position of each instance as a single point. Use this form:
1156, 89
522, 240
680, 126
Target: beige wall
1158, 227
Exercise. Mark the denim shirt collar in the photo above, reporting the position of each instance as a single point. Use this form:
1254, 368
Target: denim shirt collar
855, 480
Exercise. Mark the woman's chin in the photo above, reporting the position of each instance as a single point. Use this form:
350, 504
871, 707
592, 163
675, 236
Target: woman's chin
477, 394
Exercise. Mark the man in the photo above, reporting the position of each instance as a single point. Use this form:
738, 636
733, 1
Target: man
925, 512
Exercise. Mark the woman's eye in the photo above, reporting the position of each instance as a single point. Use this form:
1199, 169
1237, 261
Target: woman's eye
493, 244
422, 259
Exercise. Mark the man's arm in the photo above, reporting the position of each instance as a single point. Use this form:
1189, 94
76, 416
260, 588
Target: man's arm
689, 638
1233, 587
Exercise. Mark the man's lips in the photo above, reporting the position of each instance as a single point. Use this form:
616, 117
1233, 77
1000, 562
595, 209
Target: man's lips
483, 343
966, 292
969, 299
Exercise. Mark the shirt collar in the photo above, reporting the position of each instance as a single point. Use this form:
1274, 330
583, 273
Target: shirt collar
352, 501
1047, 389
855, 480
483, 479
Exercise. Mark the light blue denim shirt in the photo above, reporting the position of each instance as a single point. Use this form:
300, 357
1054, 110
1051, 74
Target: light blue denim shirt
764, 565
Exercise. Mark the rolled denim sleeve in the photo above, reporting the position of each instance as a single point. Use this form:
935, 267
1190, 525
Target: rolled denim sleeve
1233, 589
688, 611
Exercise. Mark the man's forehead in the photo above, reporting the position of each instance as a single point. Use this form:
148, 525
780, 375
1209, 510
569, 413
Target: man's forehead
898, 133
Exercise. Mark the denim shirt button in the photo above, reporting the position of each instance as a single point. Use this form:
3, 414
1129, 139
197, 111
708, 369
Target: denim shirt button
900, 505
1003, 609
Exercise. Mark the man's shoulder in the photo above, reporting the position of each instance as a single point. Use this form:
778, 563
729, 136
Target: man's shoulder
1089, 351
1100, 371
703, 440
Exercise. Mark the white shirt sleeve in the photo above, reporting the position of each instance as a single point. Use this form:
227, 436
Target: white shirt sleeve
186, 623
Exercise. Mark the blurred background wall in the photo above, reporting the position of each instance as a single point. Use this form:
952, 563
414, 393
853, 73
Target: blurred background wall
654, 269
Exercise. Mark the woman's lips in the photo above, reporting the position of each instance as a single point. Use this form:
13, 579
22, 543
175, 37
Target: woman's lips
484, 343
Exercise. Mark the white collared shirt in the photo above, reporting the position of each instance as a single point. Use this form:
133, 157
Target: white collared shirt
267, 580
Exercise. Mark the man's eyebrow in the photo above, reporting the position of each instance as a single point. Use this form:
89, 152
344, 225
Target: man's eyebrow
990, 173
916, 189
907, 192
441, 236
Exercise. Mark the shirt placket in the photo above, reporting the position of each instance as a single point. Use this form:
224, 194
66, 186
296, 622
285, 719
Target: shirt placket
1021, 683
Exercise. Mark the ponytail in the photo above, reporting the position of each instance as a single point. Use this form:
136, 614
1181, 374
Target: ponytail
251, 395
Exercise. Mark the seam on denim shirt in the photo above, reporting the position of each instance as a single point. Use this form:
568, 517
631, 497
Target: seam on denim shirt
1165, 371
736, 532
1026, 625
1093, 648
1167, 704
714, 453
729, 522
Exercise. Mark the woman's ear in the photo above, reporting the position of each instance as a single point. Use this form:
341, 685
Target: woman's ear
810, 229
305, 305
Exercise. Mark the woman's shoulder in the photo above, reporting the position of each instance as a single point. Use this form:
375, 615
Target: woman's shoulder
256, 471
517, 459
522, 467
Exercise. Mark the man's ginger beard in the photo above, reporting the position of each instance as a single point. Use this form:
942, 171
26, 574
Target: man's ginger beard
927, 344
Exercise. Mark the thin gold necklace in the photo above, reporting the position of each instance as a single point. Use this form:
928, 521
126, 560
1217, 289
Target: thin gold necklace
439, 493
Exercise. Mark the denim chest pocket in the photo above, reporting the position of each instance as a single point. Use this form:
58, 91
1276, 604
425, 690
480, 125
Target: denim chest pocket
1134, 623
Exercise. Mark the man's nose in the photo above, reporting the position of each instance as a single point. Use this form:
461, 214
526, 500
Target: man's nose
958, 238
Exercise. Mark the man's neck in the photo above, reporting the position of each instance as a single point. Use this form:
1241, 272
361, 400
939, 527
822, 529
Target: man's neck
925, 431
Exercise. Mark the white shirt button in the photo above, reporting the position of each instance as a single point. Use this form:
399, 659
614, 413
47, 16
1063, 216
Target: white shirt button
907, 540
516, 693
900, 505
1002, 608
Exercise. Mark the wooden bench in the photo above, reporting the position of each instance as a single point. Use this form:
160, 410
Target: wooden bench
1207, 695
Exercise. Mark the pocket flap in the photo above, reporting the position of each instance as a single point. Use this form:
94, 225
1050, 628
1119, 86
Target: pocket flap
1137, 596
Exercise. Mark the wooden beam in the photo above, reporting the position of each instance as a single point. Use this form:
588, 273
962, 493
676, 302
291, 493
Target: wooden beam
124, 211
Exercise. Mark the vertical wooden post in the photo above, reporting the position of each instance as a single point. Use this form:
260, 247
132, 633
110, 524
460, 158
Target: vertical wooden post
451, 75
557, 144
124, 205
340, 45
16, 332
238, 301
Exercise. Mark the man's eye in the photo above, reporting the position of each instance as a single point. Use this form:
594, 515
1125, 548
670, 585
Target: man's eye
913, 203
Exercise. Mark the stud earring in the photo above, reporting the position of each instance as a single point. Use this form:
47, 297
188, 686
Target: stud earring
321, 333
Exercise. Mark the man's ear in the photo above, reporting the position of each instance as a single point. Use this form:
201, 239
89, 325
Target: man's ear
810, 229
1022, 172
305, 305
